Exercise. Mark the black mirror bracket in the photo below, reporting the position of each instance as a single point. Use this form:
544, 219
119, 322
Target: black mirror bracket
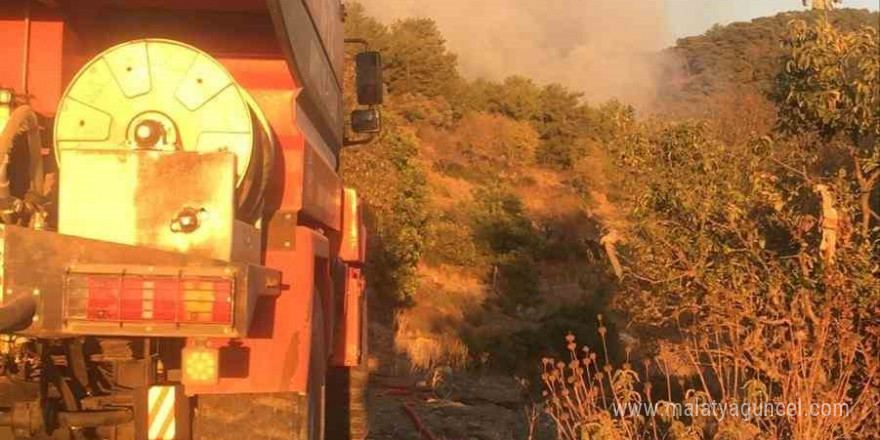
360, 41
366, 122
349, 142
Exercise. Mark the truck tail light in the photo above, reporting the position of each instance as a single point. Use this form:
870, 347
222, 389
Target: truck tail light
200, 366
137, 298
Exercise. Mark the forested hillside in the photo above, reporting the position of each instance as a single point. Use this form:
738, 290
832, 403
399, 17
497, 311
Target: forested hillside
485, 216
477, 227
505, 214
740, 58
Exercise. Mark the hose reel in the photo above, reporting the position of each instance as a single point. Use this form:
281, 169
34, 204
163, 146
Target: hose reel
167, 96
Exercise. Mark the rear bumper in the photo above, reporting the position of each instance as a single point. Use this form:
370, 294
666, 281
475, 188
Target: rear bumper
44, 264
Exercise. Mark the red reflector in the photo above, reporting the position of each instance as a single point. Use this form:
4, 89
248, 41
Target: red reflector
103, 298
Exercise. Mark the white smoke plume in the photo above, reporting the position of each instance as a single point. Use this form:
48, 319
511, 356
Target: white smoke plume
604, 48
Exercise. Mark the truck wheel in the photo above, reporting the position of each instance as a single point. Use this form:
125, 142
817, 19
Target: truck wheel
347, 395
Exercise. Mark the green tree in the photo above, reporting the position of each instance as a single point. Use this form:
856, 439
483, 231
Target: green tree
418, 62
563, 124
507, 235
830, 87
517, 98
388, 176
359, 25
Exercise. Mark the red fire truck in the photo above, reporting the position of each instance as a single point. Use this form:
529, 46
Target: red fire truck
179, 258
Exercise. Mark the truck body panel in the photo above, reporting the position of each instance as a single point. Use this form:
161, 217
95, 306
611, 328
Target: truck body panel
185, 243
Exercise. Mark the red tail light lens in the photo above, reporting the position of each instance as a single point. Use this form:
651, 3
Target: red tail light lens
135, 298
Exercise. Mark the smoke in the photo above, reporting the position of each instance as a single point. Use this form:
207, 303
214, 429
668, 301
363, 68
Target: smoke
604, 48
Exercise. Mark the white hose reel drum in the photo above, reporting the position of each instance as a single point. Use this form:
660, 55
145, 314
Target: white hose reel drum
167, 96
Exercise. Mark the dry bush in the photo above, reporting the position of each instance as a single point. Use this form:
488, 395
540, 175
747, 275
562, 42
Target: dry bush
580, 394
815, 354
428, 331
426, 350
496, 141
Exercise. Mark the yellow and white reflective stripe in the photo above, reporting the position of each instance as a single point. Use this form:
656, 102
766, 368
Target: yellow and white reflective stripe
161, 417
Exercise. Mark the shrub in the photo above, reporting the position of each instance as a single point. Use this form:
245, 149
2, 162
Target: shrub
419, 109
389, 178
749, 250
776, 365
451, 242
495, 143
429, 338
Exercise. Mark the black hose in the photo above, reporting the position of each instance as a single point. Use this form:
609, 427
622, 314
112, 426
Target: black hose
93, 419
22, 117
17, 314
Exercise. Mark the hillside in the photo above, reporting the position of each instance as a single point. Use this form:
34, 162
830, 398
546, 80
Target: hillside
504, 215
487, 168
737, 59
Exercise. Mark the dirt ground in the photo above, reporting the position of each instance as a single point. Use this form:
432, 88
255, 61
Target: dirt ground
443, 404
464, 407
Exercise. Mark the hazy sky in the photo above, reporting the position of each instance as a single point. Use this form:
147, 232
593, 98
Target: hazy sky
692, 17
604, 48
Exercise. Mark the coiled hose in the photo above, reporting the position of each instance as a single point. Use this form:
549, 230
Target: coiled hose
22, 118
17, 314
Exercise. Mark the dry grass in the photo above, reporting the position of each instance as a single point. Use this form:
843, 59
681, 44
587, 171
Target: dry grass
449, 193
428, 331
547, 195
426, 350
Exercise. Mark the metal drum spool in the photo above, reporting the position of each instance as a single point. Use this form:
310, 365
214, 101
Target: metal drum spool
168, 96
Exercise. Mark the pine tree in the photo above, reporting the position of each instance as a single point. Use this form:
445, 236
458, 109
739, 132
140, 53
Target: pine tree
418, 62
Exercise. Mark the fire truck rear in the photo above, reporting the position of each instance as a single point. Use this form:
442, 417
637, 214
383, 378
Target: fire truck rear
179, 258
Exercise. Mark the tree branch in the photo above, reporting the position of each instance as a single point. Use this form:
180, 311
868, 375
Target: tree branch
802, 173
866, 188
